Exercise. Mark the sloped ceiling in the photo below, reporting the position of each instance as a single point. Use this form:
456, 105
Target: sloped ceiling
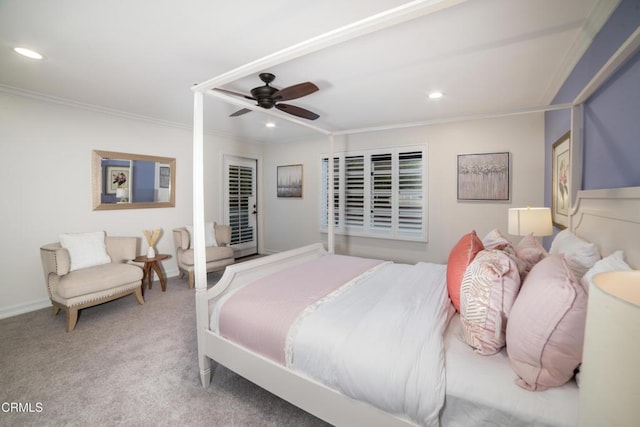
142, 57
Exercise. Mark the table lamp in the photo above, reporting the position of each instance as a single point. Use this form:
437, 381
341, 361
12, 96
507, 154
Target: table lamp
524, 221
609, 376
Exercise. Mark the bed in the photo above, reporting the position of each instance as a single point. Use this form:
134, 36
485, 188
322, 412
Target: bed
476, 389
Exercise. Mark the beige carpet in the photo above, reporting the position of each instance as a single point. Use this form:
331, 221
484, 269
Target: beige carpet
125, 364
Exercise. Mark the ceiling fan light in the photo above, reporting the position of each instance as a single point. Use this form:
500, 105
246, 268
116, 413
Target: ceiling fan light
28, 53
435, 95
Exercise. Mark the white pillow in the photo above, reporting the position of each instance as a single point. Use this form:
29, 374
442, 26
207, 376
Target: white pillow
85, 249
209, 234
613, 262
579, 254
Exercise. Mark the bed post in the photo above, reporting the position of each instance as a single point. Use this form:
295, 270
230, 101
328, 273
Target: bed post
330, 221
202, 307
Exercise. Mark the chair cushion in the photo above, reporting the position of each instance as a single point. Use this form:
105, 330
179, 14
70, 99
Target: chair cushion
213, 253
97, 278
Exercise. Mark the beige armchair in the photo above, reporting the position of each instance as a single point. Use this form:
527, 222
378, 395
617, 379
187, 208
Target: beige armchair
86, 287
218, 257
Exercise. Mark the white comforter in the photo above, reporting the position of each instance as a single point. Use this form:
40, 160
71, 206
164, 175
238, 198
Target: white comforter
381, 340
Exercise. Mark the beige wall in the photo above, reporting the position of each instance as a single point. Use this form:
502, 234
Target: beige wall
45, 149
294, 222
46, 171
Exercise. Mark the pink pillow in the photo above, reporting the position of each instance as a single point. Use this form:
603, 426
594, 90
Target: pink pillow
495, 240
489, 288
530, 252
460, 257
545, 332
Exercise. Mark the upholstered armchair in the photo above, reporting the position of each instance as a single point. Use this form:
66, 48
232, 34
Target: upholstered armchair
72, 289
218, 252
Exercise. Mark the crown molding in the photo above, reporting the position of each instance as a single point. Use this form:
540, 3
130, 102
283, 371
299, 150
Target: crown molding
599, 15
117, 113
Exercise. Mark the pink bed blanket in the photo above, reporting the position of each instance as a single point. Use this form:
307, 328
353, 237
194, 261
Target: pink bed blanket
259, 315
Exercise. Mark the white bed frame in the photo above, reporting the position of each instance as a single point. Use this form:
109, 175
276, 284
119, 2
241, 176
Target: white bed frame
608, 218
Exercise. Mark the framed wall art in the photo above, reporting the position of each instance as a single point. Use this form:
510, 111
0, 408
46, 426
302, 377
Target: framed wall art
289, 181
165, 176
116, 177
561, 181
483, 176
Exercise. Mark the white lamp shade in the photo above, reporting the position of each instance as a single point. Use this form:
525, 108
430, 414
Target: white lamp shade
610, 377
524, 221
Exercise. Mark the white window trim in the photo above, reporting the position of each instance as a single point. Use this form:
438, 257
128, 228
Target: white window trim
366, 231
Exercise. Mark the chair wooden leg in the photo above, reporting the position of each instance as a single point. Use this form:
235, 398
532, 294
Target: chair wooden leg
192, 279
72, 318
56, 310
139, 295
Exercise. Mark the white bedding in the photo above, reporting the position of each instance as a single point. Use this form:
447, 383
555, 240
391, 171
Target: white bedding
481, 390
407, 308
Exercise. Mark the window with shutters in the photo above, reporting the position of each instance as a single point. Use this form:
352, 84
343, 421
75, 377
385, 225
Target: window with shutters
377, 193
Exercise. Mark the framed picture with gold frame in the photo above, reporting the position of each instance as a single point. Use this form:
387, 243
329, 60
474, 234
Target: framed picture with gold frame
561, 181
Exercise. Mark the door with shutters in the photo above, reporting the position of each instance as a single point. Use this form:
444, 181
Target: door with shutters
241, 204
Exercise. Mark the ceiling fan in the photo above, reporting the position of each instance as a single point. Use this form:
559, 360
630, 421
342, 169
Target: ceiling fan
269, 97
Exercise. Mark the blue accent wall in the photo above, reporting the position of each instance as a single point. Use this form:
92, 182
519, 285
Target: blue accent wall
143, 181
612, 114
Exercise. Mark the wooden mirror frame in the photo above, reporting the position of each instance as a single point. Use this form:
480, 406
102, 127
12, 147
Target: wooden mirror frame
98, 176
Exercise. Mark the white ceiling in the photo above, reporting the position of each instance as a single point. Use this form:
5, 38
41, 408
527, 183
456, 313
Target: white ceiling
142, 57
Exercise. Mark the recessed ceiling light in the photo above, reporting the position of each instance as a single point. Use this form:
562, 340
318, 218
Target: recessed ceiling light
435, 95
270, 125
28, 53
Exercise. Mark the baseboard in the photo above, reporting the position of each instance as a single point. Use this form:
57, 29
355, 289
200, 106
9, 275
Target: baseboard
15, 310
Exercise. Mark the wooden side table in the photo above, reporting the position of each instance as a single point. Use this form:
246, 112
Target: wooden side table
151, 265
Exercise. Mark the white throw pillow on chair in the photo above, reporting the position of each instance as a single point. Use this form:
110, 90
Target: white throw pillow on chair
209, 235
85, 249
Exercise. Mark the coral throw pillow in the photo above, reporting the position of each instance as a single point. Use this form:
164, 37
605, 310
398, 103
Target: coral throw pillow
545, 332
460, 257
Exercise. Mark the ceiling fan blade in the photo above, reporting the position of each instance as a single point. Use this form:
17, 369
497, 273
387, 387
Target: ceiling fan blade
230, 92
240, 112
297, 111
295, 91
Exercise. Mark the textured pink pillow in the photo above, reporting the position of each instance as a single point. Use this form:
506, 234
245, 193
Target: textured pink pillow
545, 332
489, 288
530, 252
495, 240
460, 257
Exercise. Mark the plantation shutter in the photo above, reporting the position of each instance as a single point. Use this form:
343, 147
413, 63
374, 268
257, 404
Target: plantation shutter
378, 193
381, 215
325, 192
410, 202
354, 191
240, 190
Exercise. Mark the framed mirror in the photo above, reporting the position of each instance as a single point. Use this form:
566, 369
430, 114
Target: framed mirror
132, 181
